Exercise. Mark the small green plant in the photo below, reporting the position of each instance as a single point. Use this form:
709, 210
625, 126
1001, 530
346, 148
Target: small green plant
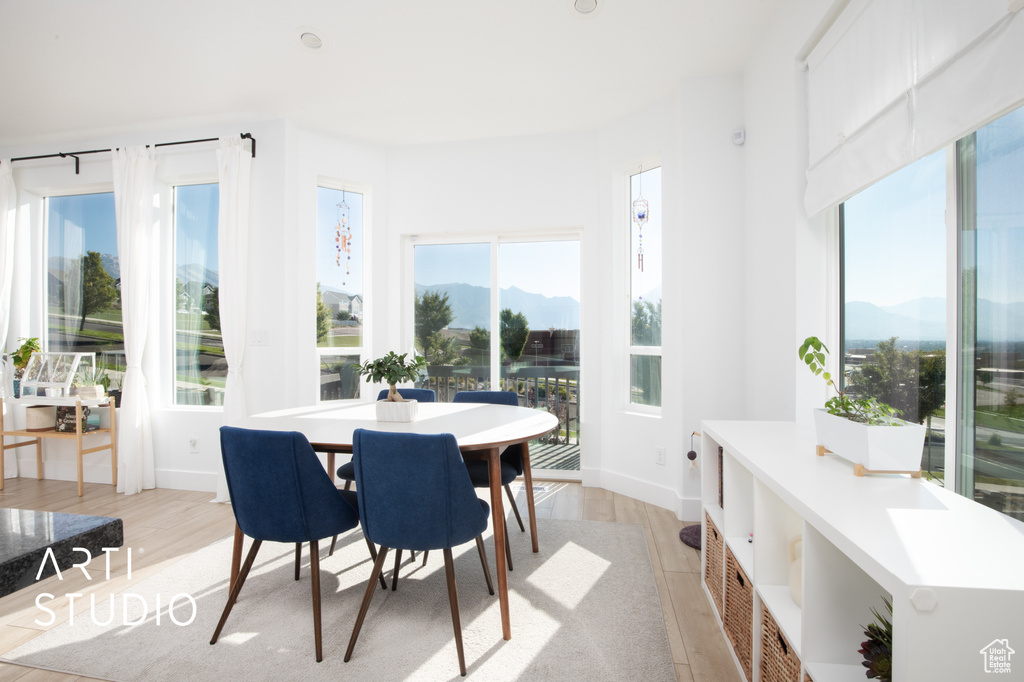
877, 650
814, 353
24, 353
392, 369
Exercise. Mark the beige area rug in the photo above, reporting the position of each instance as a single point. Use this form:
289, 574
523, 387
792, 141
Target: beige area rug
585, 608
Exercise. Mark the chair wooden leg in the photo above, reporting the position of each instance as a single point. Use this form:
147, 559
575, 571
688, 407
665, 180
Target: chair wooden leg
334, 540
378, 567
233, 596
394, 575
483, 560
298, 558
426, 553
515, 509
314, 571
373, 555
348, 484
508, 552
453, 600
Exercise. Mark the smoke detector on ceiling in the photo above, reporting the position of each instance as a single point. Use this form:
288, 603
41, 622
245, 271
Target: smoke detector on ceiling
309, 37
586, 8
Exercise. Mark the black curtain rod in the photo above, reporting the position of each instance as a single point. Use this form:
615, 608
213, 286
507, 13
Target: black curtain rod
75, 155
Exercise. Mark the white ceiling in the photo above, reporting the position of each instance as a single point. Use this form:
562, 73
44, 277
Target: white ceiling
390, 71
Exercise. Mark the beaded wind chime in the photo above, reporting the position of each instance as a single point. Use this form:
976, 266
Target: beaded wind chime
640, 215
343, 237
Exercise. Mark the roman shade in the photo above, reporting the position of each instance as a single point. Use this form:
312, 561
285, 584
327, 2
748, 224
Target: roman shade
891, 81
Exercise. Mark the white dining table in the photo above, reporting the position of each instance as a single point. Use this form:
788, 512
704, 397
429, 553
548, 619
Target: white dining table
481, 430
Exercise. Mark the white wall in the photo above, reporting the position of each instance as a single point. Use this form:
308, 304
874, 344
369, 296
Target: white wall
744, 278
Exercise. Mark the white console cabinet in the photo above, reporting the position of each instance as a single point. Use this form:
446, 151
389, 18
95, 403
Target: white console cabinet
953, 569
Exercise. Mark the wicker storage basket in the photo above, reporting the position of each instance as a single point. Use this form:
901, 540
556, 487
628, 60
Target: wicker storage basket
779, 663
807, 678
739, 612
713, 562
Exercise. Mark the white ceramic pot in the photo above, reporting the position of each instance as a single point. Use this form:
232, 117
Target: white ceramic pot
877, 448
404, 411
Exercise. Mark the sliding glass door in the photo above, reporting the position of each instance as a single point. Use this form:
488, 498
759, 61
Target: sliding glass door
529, 291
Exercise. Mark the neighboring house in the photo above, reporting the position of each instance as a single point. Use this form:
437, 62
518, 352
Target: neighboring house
997, 656
339, 300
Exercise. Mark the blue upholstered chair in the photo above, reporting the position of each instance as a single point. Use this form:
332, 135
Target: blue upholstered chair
423, 395
511, 458
281, 493
436, 508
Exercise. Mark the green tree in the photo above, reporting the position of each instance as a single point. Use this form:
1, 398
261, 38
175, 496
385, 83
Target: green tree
211, 306
480, 338
645, 325
443, 350
433, 313
343, 316
514, 332
1010, 399
98, 290
323, 317
912, 382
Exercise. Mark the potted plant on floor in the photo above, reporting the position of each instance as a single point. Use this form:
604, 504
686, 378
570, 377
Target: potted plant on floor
392, 369
862, 430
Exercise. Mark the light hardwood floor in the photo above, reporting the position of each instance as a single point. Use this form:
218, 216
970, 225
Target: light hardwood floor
161, 526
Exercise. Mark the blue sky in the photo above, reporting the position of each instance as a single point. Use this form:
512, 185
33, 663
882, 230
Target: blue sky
328, 216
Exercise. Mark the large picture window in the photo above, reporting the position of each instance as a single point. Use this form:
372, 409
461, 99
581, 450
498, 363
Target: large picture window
83, 280
644, 260
340, 298
897, 246
200, 369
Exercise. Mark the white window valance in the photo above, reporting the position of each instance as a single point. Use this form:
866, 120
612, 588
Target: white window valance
894, 80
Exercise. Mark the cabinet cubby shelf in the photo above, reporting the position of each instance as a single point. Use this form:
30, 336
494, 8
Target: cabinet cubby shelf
950, 566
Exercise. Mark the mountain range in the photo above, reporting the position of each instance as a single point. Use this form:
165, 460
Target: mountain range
924, 319
471, 306
191, 272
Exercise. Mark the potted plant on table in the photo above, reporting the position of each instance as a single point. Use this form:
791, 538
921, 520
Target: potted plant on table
862, 430
393, 369
20, 358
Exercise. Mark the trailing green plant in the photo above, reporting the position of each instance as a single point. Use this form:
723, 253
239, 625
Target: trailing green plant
877, 649
23, 354
392, 369
814, 354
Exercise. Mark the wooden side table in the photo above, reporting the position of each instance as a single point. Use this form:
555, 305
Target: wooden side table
37, 436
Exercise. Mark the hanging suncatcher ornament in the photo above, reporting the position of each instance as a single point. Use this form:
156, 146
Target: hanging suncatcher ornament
343, 236
640, 214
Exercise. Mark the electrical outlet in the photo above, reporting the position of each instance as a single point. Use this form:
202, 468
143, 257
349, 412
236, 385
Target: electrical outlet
659, 456
193, 444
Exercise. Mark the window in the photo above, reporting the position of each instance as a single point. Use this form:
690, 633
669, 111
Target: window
898, 342
894, 288
645, 288
530, 292
83, 280
990, 448
200, 369
339, 291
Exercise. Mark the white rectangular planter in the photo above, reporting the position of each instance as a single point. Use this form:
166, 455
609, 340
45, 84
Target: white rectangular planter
404, 411
876, 448
40, 418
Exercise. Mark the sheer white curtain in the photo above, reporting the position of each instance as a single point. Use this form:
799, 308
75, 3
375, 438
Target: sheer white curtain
234, 164
134, 173
8, 199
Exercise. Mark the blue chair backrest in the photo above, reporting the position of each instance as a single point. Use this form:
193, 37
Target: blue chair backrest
513, 454
490, 397
414, 491
279, 491
423, 395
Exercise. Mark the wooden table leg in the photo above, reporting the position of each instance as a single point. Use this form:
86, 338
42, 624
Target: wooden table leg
330, 465
113, 443
3, 444
78, 443
528, 479
498, 520
236, 557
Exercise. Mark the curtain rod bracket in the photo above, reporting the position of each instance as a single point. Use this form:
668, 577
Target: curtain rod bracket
64, 156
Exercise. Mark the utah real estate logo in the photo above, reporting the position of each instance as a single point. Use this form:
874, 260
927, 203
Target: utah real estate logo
997, 655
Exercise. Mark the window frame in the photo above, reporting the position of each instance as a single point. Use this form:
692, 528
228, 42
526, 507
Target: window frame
626, 239
363, 351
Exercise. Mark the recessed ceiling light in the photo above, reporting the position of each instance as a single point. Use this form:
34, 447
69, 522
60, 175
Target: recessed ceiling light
311, 40
585, 6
